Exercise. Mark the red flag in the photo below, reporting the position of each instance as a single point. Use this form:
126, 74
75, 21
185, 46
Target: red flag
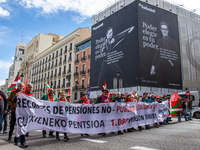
176, 105
105, 85
69, 95
25, 83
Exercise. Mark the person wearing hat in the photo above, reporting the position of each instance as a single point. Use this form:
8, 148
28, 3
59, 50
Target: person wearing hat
151, 99
62, 99
110, 97
103, 99
68, 98
183, 110
84, 100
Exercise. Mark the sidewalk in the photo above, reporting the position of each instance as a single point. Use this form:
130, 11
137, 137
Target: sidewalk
8, 146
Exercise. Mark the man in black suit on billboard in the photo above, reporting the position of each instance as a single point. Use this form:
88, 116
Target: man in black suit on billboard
165, 65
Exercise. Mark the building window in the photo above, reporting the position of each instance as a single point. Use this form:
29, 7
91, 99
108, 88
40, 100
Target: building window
77, 57
64, 70
20, 59
70, 46
70, 56
76, 69
69, 67
56, 53
53, 56
83, 46
21, 51
75, 96
84, 54
37, 44
53, 40
83, 82
61, 51
83, 68
65, 49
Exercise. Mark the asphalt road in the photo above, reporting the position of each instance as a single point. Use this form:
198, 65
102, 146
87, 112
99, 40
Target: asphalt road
174, 136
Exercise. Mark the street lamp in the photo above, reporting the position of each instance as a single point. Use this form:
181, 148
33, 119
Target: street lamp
118, 74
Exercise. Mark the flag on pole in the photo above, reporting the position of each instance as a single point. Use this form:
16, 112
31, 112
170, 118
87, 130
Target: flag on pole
105, 85
176, 105
25, 83
14, 84
88, 93
135, 94
47, 85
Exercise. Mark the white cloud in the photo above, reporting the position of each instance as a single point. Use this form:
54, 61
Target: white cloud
78, 19
3, 12
85, 8
2, 82
4, 69
12, 58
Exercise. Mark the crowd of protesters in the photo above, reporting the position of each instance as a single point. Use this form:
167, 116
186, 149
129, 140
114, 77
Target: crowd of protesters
8, 105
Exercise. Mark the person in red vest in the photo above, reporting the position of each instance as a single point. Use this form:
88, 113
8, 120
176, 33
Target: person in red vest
62, 99
110, 97
27, 91
84, 100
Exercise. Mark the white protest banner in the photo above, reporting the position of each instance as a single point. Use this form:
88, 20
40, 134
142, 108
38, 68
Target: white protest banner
34, 114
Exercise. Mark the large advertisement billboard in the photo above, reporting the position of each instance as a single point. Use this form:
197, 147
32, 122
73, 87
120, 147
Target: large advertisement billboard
160, 63
115, 48
141, 42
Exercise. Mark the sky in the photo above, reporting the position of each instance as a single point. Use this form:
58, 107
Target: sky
48, 16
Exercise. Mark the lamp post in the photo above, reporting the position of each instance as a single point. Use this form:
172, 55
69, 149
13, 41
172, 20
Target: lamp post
118, 74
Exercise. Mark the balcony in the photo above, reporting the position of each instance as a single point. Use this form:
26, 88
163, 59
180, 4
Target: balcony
55, 75
36, 81
39, 71
63, 85
56, 56
58, 86
68, 84
54, 87
48, 67
64, 72
64, 60
55, 64
70, 49
76, 74
51, 76
82, 72
46, 61
52, 57
60, 62
65, 51
76, 61
42, 79
52, 66
69, 59
81, 87
89, 56
45, 68
69, 71
88, 71
60, 54
59, 74
42, 70
48, 77
83, 58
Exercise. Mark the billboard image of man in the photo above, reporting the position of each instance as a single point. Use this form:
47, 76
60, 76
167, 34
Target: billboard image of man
165, 64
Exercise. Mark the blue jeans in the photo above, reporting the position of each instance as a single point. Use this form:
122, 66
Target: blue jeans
1, 120
183, 113
190, 115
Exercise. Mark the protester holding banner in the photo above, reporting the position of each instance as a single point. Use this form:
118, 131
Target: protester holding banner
50, 96
118, 99
128, 98
68, 99
189, 107
151, 99
13, 107
62, 99
145, 100
84, 100
27, 91
110, 97
103, 99
3, 108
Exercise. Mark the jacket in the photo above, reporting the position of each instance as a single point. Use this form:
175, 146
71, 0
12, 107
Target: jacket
3, 103
144, 100
117, 99
11, 96
100, 100
45, 97
189, 104
151, 100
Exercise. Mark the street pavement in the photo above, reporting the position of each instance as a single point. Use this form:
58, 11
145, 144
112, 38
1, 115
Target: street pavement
183, 135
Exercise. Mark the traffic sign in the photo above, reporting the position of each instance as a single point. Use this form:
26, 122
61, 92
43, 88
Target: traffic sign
187, 93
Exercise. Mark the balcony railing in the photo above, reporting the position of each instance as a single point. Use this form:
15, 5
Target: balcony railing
60, 62
68, 84
82, 72
76, 74
58, 86
51, 76
69, 71
64, 60
51, 66
69, 58
59, 74
83, 58
76, 61
64, 72
55, 75
63, 85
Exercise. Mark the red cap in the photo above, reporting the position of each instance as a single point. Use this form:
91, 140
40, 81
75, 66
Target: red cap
185, 99
165, 95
